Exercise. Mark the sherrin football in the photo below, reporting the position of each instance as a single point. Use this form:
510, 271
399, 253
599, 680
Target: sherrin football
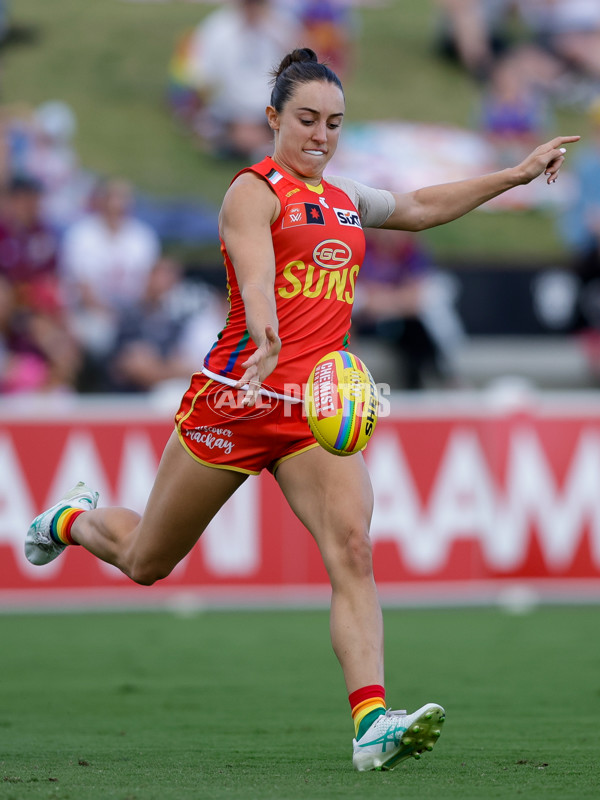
341, 403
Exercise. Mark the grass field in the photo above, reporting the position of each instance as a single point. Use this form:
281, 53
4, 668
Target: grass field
109, 58
251, 705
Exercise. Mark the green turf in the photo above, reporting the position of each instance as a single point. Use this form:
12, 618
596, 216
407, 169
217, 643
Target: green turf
251, 705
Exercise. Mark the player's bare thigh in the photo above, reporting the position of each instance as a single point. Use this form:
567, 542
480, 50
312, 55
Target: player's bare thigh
331, 495
184, 498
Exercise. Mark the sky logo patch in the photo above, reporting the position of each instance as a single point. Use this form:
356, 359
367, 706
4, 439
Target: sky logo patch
348, 217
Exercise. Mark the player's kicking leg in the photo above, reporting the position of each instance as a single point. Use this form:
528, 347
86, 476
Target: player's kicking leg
185, 497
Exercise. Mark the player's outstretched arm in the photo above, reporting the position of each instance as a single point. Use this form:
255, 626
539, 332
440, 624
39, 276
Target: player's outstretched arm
436, 205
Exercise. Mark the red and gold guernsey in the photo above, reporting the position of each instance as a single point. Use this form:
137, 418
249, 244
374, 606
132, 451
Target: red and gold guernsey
319, 246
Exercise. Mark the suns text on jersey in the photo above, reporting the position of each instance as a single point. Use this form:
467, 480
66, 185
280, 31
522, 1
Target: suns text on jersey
316, 282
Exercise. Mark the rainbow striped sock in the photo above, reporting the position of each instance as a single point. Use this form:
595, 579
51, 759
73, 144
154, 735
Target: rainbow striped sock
367, 704
60, 529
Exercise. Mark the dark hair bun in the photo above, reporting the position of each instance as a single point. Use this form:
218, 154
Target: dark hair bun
298, 67
296, 56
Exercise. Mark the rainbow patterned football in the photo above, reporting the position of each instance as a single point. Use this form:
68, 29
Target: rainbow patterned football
341, 403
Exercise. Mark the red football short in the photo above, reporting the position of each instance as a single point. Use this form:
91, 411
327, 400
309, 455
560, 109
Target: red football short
217, 431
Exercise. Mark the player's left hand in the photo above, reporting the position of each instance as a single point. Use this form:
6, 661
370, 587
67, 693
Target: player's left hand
547, 158
259, 366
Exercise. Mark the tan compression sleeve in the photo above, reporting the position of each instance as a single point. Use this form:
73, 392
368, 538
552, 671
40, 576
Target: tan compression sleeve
374, 205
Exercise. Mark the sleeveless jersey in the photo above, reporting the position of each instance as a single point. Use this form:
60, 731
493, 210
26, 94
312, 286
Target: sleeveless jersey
319, 246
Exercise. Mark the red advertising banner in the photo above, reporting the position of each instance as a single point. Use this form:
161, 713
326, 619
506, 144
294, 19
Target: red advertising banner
473, 502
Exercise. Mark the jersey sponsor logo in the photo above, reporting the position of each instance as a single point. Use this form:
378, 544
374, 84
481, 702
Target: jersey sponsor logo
332, 254
273, 176
348, 217
302, 214
323, 202
295, 190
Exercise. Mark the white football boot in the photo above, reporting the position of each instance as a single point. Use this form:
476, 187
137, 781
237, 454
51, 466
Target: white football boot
40, 547
396, 735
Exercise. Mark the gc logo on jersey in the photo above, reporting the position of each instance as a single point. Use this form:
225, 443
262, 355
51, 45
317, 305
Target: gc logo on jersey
332, 254
347, 217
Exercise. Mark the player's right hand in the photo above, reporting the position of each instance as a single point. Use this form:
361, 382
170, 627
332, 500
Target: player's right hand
259, 366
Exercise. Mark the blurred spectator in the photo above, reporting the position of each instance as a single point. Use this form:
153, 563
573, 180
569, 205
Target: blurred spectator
568, 30
33, 323
558, 41
16, 121
227, 61
579, 225
39, 142
183, 94
22, 367
329, 28
474, 32
514, 113
580, 222
168, 333
106, 259
401, 301
52, 158
28, 247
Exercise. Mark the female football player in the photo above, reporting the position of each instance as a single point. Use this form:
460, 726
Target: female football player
293, 244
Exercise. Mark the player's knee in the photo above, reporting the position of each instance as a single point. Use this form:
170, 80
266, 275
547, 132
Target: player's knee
354, 556
360, 553
147, 573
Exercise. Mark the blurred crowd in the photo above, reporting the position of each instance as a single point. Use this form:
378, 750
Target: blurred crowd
220, 69
529, 57
89, 299
526, 55
92, 301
